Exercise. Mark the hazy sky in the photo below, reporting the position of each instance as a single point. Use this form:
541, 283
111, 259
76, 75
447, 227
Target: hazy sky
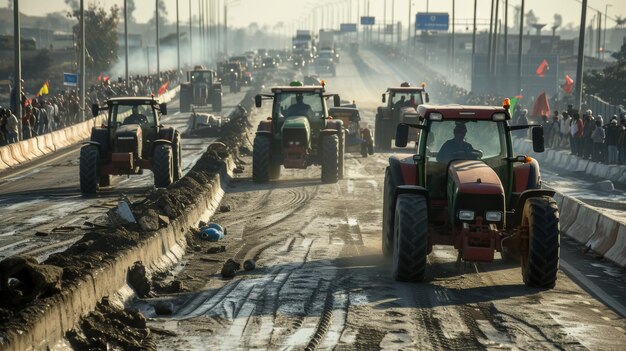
243, 12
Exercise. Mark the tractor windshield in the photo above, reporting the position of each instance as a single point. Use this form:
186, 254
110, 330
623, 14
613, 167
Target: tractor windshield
401, 99
133, 114
448, 140
308, 104
201, 77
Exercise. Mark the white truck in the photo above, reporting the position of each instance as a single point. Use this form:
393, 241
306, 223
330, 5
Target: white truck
326, 45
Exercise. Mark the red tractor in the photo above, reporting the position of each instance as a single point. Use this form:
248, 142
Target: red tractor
463, 187
132, 140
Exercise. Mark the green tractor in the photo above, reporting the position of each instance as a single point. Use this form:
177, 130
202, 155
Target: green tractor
299, 133
202, 89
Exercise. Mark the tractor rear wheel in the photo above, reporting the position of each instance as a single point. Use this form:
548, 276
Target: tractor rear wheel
89, 170
378, 133
274, 172
177, 147
163, 165
330, 158
540, 266
388, 190
261, 158
342, 152
217, 102
410, 238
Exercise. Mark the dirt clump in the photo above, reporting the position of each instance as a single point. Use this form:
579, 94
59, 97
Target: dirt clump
111, 327
138, 279
230, 268
23, 279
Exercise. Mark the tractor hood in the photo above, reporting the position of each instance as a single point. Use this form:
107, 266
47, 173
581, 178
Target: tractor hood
296, 129
129, 138
474, 186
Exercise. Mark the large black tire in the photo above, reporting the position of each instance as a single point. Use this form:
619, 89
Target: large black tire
217, 102
540, 267
89, 169
410, 238
163, 165
378, 133
342, 153
330, 158
177, 148
261, 158
104, 180
185, 98
388, 204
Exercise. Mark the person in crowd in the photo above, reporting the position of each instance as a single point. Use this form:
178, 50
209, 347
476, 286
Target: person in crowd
587, 142
613, 131
547, 131
565, 126
576, 135
12, 126
555, 131
598, 136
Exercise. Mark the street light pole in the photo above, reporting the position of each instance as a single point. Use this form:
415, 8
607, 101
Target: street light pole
17, 56
190, 37
225, 27
490, 41
177, 39
453, 37
578, 92
158, 58
506, 35
606, 15
82, 60
126, 42
519, 49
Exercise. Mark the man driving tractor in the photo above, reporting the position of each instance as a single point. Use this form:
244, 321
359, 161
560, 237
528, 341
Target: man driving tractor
136, 117
299, 108
457, 147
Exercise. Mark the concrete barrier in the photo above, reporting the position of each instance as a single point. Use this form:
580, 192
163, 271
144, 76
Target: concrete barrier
617, 253
568, 212
604, 236
583, 228
7, 157
16, 153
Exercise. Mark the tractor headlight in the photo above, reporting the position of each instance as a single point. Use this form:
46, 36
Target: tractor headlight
493, 216
296, 143
291, 143
466, 215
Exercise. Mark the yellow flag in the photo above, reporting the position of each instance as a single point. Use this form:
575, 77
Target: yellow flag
44, 89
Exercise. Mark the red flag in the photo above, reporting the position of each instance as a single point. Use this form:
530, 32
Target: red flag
541, 106
569, 84
163, 88
100, 77
542, 68
106, 78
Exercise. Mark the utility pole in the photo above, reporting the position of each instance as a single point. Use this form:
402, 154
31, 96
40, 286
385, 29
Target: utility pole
520, 47
578, 92
489, 46
17, 56
606, 15
82, 60
190, 37
225, 27
474, 34
453, 38
126, 43
408, 27
157, 43
494, 48
506, 35
393, 20
385, 22
599, 40
177, 39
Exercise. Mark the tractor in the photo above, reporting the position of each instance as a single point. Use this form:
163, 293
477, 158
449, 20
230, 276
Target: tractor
464, 187
232, 76
299, 134
358, 139
401, 104
202, 89
132, 140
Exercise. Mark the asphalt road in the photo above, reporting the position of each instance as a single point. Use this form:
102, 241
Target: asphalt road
42, 210
321, 280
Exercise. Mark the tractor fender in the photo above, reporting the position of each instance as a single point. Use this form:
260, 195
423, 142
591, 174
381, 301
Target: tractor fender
161, 142
166, 134
329, 131
409, 189
516, 218
334, 124
403, 169
100, 138
264, 127
526, 176
96, 144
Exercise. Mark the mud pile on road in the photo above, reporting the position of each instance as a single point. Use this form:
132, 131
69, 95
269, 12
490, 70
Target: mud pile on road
100, 247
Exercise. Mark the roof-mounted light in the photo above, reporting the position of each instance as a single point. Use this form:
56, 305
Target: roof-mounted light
435, 116
506, 103
423, 85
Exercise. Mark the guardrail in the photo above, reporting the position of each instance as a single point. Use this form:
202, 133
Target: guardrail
27, 150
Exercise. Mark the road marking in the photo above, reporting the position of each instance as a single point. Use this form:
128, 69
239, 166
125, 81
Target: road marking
577, 276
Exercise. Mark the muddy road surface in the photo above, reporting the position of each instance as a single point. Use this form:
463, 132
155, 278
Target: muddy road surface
321, 282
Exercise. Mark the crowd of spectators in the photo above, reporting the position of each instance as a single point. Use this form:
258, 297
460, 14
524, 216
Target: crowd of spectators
46, 113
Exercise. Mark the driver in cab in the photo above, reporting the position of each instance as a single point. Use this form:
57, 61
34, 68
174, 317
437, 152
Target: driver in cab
457, 148
136, 117
299, 108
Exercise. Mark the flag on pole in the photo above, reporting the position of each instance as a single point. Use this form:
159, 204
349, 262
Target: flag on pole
542, 68
43, 90
569, 84
100, 77
542, 106
163, 88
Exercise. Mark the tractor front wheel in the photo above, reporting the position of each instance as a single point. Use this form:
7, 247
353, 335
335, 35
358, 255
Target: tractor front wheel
342, 152
178, 156
89, 170
163, 165
261, 158
410, 238
378, 133
330, 158
541, 263
388, 191
217, 102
